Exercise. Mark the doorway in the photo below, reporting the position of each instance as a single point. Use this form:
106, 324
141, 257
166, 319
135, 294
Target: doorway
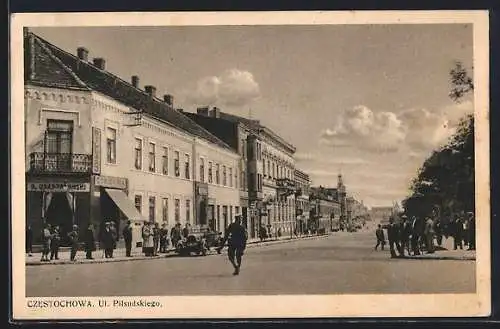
59, 213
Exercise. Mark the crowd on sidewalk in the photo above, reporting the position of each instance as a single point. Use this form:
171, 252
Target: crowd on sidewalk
414, 236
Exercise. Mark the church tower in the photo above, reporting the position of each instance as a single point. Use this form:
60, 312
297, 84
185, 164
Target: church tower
342, 199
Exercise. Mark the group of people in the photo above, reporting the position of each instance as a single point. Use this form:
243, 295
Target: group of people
413, 236
157, 240
52, 237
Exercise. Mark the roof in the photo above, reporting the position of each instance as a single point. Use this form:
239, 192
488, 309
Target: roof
48, 65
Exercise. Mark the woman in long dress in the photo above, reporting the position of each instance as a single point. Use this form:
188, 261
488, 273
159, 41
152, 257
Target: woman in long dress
147, 239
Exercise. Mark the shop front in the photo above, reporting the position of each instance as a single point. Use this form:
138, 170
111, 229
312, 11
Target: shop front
59, 201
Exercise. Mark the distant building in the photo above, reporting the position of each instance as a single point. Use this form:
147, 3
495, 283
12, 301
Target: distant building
381, 214
302, 205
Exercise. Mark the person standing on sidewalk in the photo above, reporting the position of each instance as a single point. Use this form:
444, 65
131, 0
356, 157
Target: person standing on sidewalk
175, 235
405, 235
163, 238
55, 242
29, 241
127, 237
73, 238
379, 233
429, 235
393, 236
107, 239
457, 233
156, 239
236, 236
114, 233
89, 239
46, 236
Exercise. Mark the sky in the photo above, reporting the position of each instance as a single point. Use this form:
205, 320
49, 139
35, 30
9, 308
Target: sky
368, 101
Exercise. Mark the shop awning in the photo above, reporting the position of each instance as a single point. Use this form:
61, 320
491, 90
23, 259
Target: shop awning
124, 204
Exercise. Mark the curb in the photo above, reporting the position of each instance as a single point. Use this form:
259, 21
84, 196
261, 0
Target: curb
441, 257
129, 259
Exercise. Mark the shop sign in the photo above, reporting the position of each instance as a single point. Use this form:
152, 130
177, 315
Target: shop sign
96, 150
111, 182
59, 187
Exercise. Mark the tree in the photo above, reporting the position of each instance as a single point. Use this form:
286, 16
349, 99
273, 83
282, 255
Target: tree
446, 179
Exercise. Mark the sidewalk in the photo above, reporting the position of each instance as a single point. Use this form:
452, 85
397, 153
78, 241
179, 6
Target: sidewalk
446, 252
136, 254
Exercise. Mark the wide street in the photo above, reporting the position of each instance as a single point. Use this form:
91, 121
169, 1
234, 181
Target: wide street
343, 263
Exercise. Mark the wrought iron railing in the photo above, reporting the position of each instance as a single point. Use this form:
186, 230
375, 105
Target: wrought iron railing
41, 162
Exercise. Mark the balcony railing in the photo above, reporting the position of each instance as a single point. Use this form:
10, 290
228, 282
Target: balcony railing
41, 162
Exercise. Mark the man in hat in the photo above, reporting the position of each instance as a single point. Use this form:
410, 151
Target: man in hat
393, 237
127, 237
73, 237
236, 236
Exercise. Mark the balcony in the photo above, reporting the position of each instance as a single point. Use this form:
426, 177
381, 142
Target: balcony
60, 163
285, 184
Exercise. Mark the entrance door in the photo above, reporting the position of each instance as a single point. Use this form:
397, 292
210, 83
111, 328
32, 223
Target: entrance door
211, 217
60, 214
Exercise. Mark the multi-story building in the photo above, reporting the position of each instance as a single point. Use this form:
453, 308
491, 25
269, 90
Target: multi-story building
266, 172
99, 148
325, 210
302, 206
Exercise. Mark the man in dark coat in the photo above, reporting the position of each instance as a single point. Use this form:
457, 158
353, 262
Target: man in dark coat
415, 235
379, 233
29, 240
156, 239
472, 231
55, 242
127, 237
107, 240
73, 238
175, 234
457, 233
114, 233
236, 236
89, 239
163, 238
393, 236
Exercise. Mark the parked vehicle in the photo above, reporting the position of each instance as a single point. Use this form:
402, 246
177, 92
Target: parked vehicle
194, 243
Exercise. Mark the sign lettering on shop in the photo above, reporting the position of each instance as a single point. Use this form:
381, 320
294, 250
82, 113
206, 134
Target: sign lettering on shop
112, 182
59, 187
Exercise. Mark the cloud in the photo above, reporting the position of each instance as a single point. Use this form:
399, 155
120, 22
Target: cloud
232, 88
361, 127
418, 130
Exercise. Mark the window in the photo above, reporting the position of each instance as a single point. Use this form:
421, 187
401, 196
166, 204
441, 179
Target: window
235, 179
210, 180
176, 164
164, 210
217, 174
202, 170
111, 145
164, 160
152, 209
237, 211
59, 136
224, 176
138, 153
177, 210
188, 211
186, 167
259, 182
230, 177
152, 156
138, 203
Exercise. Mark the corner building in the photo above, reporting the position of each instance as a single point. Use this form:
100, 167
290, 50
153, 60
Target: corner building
99, 148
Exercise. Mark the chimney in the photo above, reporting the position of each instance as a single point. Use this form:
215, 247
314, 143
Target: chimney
82, 53
151, 90
100, 63
135, 81
215, 113
202, 111
169, 99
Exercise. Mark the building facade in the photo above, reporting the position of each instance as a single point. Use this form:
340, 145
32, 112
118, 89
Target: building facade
302, 205
100, 149
266, 170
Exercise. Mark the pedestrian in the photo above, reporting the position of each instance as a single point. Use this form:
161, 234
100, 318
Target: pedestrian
472, 231
29, 240
89, 239
236, 236
393, 237
429, 235
186, 231
457, 233
405, 235
55, 242
379, 234
127, 237
163, 238
175, 235
439, 232
73, 238
147, 238
107, 240
415, 236
262, 233
114, 234
46, 237
156, 239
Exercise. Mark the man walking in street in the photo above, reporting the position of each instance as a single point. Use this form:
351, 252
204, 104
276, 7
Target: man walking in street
55, 241
379, 233
393, 236
236, 236
89, 241
127, 237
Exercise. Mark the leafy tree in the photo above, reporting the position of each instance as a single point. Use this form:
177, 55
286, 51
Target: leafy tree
446, 179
